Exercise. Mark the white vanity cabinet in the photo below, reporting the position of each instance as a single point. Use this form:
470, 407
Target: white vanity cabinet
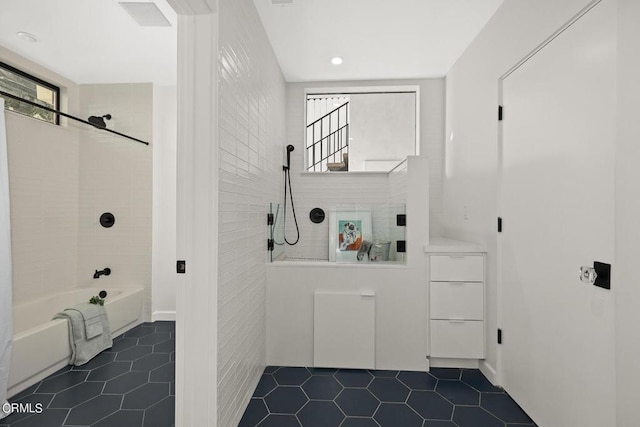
456, 300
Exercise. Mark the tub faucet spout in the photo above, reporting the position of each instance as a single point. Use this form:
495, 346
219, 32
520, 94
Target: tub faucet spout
105, 272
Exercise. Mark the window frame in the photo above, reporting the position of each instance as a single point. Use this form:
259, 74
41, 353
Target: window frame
355, 90
48, 85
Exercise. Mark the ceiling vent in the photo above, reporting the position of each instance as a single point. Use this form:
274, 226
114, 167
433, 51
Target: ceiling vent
146, 14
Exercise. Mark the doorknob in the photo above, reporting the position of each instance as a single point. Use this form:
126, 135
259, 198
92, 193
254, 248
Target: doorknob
588, 275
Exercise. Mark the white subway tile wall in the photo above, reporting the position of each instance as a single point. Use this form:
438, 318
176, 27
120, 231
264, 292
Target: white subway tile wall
43, 179
64, 177
251, 142
116, 176
432, 130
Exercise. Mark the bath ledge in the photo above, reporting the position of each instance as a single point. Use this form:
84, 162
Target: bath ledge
345, 173
330, 264
444, 244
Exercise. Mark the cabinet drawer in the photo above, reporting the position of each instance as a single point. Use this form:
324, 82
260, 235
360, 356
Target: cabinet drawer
456, 268
456, 300
457, 339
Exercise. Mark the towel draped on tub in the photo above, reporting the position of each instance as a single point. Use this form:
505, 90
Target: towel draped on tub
89, 332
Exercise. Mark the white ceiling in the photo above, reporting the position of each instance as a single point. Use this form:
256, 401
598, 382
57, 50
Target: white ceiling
96, 41
378, 39
91, 41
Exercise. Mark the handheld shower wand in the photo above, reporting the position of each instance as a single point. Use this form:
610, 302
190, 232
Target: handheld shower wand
290, 148
287, 180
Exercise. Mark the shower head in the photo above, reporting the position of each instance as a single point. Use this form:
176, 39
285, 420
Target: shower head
98, 121
290, 148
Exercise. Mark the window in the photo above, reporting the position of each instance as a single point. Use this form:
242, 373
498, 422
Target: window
365, 129
31, 88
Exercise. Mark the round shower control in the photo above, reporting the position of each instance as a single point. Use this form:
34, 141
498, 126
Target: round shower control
107, 220
316, 215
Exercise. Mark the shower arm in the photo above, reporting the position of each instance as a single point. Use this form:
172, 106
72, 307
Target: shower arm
17, 98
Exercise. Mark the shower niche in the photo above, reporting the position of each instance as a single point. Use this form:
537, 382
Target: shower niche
356, 234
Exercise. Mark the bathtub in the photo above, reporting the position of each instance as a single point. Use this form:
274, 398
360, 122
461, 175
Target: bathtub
41, 345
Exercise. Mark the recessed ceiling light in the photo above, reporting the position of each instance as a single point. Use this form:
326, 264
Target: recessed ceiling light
336, 60
27, 36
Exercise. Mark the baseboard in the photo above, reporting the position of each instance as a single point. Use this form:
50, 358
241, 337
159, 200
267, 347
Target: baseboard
489, 372
453, 363
163, 316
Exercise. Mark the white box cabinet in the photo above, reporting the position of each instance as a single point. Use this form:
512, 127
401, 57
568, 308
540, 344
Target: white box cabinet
456, 305
344, 326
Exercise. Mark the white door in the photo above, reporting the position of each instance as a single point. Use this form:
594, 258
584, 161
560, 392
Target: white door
557, 202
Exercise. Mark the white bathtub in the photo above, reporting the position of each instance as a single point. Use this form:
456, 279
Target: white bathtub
41, 345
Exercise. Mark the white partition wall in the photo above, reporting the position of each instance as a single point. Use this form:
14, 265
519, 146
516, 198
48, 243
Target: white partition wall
400, 326
196, 233
6, 313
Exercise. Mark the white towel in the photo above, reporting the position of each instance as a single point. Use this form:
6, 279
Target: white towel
84, 349
92, 316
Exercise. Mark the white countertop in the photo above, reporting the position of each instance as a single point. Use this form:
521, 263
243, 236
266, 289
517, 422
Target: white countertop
443, 244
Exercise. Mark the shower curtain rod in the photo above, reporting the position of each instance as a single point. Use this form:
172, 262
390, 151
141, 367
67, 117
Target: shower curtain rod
17, 98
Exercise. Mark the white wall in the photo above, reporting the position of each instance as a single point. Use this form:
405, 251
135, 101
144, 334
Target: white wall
43, 177
197, 225
43, 185
164, 203
401, 292
471, 170
625, 271
251, 118
64, 177
116, 176
400, 319
331, 190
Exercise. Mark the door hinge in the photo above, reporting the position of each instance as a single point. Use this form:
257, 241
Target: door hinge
270, 244
269, 219
401, 220
499, 225
499, 112
181, 267
499, 336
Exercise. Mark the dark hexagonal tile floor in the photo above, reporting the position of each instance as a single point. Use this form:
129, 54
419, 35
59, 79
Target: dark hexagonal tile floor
357, 402
132, 384
389, 390
129, 385
322, 387
309, 397
286, 400
291, 376
320, 413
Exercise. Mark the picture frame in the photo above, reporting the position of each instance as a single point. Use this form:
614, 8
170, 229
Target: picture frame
348, 228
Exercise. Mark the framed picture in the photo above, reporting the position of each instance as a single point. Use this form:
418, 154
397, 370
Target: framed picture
347, 230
